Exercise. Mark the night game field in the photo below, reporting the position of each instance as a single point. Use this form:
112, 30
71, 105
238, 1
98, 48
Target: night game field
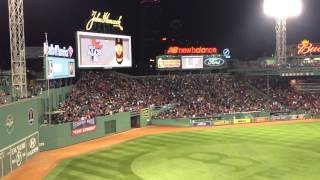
283, 152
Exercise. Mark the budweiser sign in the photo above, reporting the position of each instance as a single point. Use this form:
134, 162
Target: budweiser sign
307, 48
192, 50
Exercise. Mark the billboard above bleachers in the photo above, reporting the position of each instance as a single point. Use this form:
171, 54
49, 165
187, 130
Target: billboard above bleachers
96, 50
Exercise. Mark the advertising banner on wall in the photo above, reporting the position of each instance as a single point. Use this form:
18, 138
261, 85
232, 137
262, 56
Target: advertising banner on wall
221, 122
306, 48
83, 126
18, 153
145, 113
279, 117
190, 62
296, 116
214, 61
242, 121
168, 63
260, 119
96, 50
205, 121
201, 123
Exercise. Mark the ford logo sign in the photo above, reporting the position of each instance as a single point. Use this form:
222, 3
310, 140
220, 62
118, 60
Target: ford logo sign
214, 61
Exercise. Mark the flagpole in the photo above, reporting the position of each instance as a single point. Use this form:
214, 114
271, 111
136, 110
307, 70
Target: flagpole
48, 81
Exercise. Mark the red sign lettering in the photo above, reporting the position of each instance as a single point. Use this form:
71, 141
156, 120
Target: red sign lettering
191, 50
76, 132
305, 48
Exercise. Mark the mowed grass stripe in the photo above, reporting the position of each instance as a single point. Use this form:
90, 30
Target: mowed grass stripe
270, 136
99, 161
157, 142
138, 148
134, 146
190, 137
68, 176
112, 155
153, 143
71, 174
197, 134
107, 156
175, 139
99, 171
119, 158
122, 152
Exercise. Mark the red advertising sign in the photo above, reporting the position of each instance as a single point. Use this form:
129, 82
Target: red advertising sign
307, 48
192, 50
76, 132
83, 126
260, 119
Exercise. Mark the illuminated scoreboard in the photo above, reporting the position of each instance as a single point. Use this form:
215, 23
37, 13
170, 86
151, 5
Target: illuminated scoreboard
192, 62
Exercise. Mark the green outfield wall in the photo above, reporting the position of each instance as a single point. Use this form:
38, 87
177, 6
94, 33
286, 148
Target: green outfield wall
23, 134
171, 122
145, 116
19, 124
57, 136
239, 118
15, 123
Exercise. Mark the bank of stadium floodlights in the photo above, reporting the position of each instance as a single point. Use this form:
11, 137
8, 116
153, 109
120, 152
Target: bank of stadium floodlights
281, 10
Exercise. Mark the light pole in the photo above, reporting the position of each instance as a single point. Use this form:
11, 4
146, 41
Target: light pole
17, 49
281, 10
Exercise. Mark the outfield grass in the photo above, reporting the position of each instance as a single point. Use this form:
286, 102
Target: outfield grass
283, 152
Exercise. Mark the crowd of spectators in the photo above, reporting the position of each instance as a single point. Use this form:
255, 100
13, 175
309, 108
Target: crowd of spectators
105, 93
3, 100
195, 95
3, 83
210, 94
285, 91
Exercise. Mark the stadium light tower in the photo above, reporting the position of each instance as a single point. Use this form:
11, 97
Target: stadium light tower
17, 47
281, 10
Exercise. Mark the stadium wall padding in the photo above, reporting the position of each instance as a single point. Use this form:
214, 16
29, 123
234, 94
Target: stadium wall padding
145, 116
171, 122
143, 121
19, 124
123, 121
227, 119
58, 136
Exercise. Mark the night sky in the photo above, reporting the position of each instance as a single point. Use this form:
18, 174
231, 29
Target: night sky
236, 24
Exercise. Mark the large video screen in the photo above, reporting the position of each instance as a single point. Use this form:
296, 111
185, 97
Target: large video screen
192, 62
96, 50
57, 68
